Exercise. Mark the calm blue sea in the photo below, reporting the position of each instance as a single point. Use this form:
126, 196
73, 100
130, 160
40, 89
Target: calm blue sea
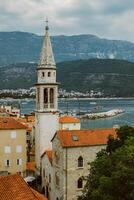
76, 105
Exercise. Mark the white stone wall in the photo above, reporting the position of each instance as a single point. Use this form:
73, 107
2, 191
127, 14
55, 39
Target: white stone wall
58, 190
46, 165
68, 169
69, 126
45, 78
45, 128
40, 105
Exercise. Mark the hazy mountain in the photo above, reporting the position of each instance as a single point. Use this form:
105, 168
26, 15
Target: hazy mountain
114, 77
17, 47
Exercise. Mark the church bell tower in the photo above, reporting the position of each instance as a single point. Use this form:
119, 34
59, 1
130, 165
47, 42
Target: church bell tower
47, 117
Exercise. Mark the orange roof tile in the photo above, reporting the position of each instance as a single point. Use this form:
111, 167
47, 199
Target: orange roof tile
10, 123
38, 195
31, 166
76, 138
13, 187
68, 119
21, 119
49, 155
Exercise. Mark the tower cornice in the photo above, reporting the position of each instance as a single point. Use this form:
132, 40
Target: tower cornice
46, 68
47, 84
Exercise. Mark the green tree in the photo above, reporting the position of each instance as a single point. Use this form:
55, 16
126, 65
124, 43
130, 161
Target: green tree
111, 175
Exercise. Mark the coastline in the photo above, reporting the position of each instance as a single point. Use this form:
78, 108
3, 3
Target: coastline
107, 114
68, 98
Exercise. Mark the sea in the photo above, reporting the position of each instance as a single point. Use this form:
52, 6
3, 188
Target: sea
72, 106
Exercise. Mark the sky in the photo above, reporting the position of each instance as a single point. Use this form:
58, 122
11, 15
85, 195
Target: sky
112, 19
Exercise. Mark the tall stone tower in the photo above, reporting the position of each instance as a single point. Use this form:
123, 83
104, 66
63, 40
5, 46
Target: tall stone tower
47, 117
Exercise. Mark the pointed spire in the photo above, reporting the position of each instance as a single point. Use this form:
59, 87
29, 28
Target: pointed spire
46, 56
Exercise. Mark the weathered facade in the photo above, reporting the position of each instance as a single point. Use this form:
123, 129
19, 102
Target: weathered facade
46, 115
12, 147
46, 174
72, 150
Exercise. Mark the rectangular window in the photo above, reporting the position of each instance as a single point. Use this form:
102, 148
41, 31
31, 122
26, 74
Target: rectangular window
18, 148
7, 149
38, 94
7, 163
19, 161
13, 134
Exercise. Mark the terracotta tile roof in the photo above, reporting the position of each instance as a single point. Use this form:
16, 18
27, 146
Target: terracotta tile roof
10, 123
21, 119
68, 119
38, 195
31, 166
49, 155
76, 138
13, 187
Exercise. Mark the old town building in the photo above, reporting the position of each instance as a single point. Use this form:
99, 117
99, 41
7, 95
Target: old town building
69, 123
12, 146
72, 150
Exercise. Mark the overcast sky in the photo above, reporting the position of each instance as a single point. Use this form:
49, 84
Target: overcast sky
106, 18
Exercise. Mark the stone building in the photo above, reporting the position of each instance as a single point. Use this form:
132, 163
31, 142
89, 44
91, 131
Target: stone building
69, 123
12, 146
46, 115
72, 151
46, 173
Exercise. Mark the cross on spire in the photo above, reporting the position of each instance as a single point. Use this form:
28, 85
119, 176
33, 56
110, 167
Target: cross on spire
47, 27
46, 57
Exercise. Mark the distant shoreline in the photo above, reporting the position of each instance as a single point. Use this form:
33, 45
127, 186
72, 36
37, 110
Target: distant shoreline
70, 99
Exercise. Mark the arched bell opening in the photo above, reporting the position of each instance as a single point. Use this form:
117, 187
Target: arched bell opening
51, 98
45, 98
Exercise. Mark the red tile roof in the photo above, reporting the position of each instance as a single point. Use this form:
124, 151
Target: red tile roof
10, 123
76, 138
49, 155
13, 187
68, 119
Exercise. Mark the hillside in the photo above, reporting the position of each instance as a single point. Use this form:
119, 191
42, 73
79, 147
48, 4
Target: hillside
113, 77
20, 47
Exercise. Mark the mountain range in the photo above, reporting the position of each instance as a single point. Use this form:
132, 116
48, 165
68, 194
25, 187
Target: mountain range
20, 47
112, 77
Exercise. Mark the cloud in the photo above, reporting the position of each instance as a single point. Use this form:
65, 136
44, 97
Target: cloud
100, 17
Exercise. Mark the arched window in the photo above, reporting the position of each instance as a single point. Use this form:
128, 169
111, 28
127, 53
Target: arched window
51, 95
80, 161
43, 74
57, 179
57, 157
80, 183
49, 178
57, 198
49, 74
45, 95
